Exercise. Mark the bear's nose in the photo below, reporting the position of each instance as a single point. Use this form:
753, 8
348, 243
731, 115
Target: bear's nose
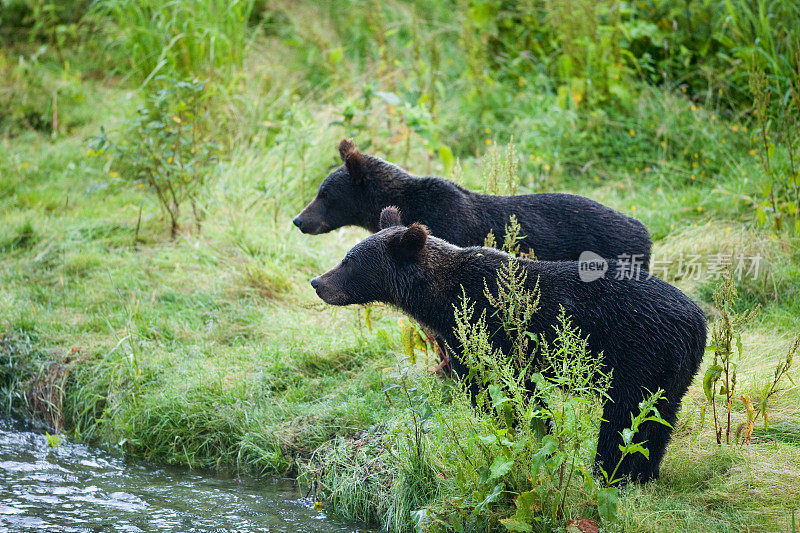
296, 221
315, 283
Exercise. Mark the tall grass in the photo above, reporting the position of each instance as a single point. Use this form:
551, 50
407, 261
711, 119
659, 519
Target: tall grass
181, 37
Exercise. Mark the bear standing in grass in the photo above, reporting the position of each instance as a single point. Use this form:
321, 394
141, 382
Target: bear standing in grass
652, 335
557, 227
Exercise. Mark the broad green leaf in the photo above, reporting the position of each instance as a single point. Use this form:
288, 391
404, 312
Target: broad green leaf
607, 503
491, 497
500, 467
711, 376
514, 524
527, 506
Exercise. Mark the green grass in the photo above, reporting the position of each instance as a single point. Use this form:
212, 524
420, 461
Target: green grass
213, 351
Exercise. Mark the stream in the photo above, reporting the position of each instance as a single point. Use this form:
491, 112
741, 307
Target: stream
74, 487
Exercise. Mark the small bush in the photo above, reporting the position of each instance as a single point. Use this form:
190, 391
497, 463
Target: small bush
167, 148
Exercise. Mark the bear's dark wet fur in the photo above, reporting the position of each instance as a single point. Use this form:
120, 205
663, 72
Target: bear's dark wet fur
651, 334
559, 227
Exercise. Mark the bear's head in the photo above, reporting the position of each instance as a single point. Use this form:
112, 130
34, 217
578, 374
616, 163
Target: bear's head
340, 198
378, 269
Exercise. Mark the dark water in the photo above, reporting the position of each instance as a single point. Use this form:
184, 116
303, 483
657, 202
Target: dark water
78, 488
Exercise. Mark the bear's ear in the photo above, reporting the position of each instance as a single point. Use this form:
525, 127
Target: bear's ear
410, 243
352, 159
390, 216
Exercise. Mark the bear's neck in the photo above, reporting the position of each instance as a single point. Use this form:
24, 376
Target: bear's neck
428, 200
438, 284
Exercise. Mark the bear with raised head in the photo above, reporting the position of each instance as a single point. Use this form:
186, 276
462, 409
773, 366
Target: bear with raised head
556, 226
651, 334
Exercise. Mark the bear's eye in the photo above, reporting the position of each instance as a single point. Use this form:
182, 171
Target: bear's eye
345, 261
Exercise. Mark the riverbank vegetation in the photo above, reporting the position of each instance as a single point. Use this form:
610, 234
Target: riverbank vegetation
154, 295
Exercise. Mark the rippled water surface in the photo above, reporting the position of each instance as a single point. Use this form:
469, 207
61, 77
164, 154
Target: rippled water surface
80, 488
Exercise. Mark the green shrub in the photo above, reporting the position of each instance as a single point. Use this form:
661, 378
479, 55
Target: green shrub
167, 148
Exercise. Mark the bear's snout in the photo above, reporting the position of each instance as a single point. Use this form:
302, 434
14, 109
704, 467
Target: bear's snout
329, 291
309, 223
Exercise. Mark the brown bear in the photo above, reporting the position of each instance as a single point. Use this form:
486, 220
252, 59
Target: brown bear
651, 334
555, 226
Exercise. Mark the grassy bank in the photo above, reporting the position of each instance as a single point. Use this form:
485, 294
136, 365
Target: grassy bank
212, 350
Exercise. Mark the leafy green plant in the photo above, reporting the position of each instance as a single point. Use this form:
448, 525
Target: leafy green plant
725, 336
778, 142
723, 373
509, 452
167, 148
647, 413
414, 115
53, 441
